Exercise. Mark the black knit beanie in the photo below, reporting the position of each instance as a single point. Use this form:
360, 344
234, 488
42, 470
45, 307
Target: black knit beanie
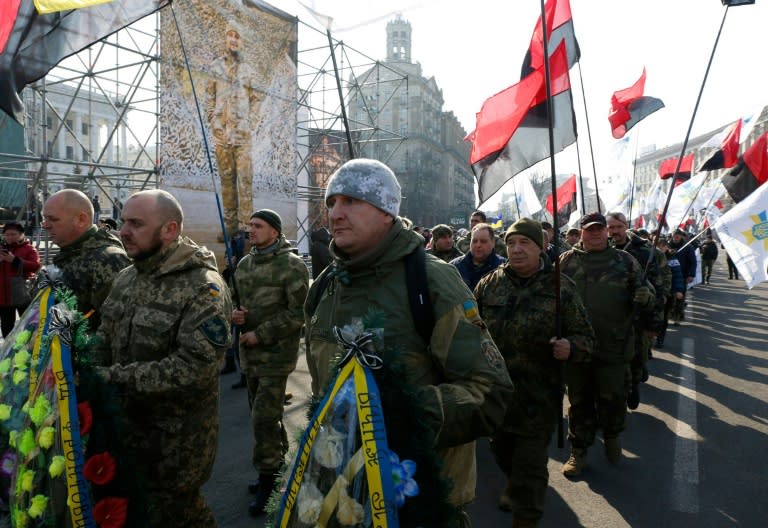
270, 217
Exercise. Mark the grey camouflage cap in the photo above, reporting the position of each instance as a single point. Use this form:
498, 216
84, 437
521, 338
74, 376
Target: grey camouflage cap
368, 180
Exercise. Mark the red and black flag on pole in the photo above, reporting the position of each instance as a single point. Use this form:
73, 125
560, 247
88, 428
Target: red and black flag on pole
512, 128
566, 201
559, 24
750, 172
667, 169
629, 106
34, 39
727, 154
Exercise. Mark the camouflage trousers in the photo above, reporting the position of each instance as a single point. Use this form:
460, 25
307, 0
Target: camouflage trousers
172, 508
597, 393
266, 397
520, 448
236, 173
639, 361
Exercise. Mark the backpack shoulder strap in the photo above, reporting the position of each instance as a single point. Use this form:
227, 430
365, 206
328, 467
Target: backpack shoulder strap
418, 293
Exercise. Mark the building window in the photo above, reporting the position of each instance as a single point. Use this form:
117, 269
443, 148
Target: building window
49, 122
85, 154
84, 128
69, 124
70, 153
50, 149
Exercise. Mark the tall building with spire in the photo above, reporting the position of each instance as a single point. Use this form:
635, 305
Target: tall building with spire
431, 159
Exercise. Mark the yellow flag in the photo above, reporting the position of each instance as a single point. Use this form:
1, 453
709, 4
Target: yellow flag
51, 6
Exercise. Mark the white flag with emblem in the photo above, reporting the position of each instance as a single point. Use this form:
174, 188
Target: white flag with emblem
744, 232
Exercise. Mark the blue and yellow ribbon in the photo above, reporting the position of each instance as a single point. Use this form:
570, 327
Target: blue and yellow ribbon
45, 301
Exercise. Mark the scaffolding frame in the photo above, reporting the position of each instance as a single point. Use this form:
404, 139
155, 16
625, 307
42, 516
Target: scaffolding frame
117, 80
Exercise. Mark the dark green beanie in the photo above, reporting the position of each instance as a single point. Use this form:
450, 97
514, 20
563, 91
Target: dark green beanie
441, 230
529, 228
270, 217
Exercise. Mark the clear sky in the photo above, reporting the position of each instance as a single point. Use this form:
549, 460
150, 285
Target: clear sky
474, 50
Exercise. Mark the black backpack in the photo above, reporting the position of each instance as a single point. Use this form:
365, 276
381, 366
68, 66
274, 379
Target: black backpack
422, 311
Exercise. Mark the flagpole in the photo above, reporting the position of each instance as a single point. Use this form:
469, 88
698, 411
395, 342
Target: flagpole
341, 96
550, 109
663, 218
690, 205
634, 176
589, 138
579, 184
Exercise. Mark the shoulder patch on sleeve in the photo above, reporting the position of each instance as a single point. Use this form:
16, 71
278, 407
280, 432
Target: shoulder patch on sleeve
215, 330
214, 289
470, 309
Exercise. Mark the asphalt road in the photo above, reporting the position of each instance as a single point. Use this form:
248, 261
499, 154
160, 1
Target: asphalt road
693, 450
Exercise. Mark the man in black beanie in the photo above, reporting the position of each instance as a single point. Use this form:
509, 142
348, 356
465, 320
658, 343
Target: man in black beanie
273, 284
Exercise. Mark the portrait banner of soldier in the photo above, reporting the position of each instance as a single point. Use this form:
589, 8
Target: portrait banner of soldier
243, 61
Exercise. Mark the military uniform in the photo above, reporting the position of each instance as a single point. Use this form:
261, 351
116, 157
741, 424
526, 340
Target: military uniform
233, 99
161, 343
272, 287
446, 256
460, 377
650, 322
520, 314
606, 281
88, 267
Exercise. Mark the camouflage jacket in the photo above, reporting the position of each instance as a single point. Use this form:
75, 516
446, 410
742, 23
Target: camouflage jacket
273, 288
164, 332
459, 376
446, 256
641, 249
88, 267
606, 281
520, 314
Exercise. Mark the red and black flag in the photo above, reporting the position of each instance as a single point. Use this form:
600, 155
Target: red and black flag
668, 166
33, 39
566, 201
629, 106
560, 29
512, 130
727, 154
750, 172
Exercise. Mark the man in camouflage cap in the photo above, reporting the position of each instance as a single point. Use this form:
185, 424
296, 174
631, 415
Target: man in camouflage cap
458, 376
442, 243
273, 284
609, 282
89, 258
517, 304
164, 331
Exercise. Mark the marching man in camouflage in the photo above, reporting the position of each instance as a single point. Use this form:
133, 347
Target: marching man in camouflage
162, 340
442, 243
457, 376
273, 284
608, 281
517, 302
89, 258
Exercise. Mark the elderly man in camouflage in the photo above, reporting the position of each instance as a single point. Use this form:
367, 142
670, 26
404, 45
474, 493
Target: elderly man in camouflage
89, 258
458, 376
517, 303
649, 325
233, 101
161, 343
273, 284
609, 283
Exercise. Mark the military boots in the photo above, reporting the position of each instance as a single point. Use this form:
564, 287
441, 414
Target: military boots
576, 462
613, 449
263, 491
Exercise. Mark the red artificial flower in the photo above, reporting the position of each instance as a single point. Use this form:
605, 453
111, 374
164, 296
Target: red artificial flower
100, 469
85, 416
111, 512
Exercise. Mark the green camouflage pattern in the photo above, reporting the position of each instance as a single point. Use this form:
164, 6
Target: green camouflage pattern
88, 267
152, 347
446, 256
520, 314
460, 377
606, 281
367, 180
272, 288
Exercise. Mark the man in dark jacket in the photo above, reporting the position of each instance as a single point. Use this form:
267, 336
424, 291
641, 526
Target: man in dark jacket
481, 258
319, 251
442, 243
708, 257
686, 256
18, 257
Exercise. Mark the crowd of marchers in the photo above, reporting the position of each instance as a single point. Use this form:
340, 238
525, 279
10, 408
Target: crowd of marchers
516, 320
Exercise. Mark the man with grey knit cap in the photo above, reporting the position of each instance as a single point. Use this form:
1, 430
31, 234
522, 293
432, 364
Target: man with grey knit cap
517, 303
273, 284
456, 378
